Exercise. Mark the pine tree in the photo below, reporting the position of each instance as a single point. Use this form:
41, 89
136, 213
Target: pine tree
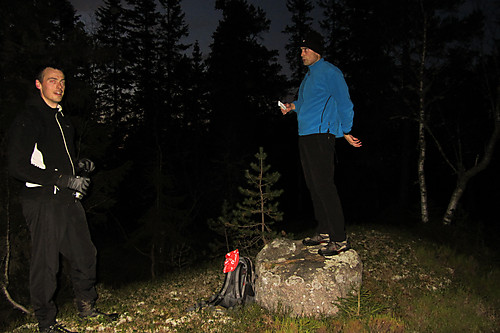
301, 23
171, 63
245, 75
245, 83
249, 224
192, 149
197, 112
113, 83
142, 53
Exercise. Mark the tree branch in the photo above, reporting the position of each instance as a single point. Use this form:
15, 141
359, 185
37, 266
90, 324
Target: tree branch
5, 283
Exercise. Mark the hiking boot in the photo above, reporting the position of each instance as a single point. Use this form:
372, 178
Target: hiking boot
87, 310
56, 328
334, 248
317, 239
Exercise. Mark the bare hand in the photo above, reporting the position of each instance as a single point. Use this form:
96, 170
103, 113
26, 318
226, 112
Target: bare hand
352, 140
289, 107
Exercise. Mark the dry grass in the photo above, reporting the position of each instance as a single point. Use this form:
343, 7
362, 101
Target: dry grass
413, 286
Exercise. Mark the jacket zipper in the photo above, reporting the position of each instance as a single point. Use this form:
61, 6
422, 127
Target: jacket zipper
64, 139
323, 112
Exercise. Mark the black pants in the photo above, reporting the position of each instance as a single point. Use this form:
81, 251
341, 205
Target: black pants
317, 154
58, 227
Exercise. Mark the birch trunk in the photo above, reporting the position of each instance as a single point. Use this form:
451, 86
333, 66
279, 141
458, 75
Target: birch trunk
464, 176
455, 198
424, 211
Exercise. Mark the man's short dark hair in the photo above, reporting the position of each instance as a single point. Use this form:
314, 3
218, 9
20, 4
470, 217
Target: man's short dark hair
41, 70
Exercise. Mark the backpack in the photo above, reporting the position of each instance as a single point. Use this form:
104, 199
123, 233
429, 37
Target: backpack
238, 287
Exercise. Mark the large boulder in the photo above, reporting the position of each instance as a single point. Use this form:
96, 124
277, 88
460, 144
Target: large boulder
296, 278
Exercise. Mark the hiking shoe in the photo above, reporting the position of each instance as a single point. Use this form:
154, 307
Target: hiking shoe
56, 328
87, 310
99, 315
334, 248
317, 239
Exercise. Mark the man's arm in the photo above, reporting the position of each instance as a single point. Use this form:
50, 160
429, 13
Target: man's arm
340, 92
22, 137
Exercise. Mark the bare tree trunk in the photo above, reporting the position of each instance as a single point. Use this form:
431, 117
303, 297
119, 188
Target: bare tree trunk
157, 213
464, 176
153, 261
455, 198
262, 202
424, 211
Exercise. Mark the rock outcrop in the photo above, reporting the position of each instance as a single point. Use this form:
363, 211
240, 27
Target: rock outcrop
295, 277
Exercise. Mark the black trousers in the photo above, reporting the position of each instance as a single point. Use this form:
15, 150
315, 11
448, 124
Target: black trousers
317, 154
58, 227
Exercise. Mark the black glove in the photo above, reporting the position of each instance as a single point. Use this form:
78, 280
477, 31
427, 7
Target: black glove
79, 184
85, 165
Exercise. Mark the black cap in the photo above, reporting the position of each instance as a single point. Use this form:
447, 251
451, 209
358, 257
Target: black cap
313, 40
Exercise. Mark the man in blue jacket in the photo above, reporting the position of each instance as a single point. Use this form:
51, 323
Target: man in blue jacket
324, 112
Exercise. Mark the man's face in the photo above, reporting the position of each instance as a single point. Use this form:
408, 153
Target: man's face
52, 86
309, 57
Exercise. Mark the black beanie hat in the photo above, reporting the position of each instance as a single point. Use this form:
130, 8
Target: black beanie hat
313, 40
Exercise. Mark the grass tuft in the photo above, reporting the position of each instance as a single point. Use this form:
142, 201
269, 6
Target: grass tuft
409, 285
358, 305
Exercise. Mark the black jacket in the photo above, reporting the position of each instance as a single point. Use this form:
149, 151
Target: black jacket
41, 148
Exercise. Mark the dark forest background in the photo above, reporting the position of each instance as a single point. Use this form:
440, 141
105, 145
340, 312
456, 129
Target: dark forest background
172, 130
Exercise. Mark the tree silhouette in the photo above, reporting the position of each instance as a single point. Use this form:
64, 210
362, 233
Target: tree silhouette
301, 24
245, 85
249, 223
113, 82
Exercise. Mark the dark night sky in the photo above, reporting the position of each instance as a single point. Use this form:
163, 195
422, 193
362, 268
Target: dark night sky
203, 18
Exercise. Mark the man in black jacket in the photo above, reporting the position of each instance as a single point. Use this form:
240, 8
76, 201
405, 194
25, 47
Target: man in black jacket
41, 154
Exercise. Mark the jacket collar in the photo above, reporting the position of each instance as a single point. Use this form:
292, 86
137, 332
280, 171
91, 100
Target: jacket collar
317, 64
40, 104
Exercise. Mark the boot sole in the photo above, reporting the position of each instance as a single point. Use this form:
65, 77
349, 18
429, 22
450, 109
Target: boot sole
314, 243
332, 253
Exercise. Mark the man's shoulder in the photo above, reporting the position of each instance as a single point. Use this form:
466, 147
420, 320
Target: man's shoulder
328, 66
30, 113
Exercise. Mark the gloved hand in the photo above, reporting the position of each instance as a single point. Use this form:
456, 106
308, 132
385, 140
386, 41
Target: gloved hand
79, 184
85, 165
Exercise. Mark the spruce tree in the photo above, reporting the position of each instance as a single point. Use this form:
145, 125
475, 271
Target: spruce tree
301, 23
113, 82
171, 63
154, 52
245, 75
142, 53
249, 224
245, 83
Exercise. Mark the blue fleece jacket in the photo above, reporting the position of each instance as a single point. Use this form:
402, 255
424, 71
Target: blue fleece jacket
323, 104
